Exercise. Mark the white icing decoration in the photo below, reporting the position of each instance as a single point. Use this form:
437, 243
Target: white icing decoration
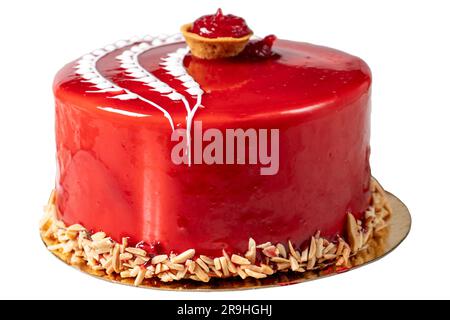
129, 59
124, 112
86, 68
174, 66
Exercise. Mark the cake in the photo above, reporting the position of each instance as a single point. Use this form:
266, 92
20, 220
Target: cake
218, 160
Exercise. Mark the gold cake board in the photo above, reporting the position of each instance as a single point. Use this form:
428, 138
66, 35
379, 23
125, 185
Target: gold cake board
380, 245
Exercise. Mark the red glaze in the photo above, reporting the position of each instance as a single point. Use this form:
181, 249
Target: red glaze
220, 25
115, 173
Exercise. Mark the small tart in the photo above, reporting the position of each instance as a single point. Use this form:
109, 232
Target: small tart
213, 48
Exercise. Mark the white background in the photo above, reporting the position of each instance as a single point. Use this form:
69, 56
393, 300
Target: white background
406, 44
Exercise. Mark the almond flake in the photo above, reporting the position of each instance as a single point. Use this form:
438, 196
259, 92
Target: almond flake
159, 259
181, 274
110, 269
217, 264
182, 257
115, 261
283, 266
136, 251
174, 266
241, 273
294, 263
264, 245
271, 251
125, 256
251, 255
98, 236
201, 274
251, 244
266, 269
191, 266
202, 264
282, 250
312, 249
124, 244
329, 256
207, 260
304, 256
352, 232
166, 277
239, 260
254, 274
328, 248
224, 266
217, 272
140, 277
319, 246
279, 260
340, 248
76, 228
139, 261
292, 251
230, 265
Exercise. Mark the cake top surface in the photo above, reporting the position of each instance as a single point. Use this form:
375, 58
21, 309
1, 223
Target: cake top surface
157, 79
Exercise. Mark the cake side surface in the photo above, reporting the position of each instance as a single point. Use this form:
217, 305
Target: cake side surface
115, 112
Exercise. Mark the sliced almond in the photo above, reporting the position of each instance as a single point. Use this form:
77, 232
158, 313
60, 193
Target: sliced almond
126, 274
217, 264
159, 259
352, 232
136, 251
263, 245
292, 251
312, 249
224, 266
271, 251
304, 256
174, 266
251, 255
294, 263
181, 274
230, 265
266, 269
190, 265
182, 257
319, 248
201, 274
202, 264
283, 266
239, 260
217, 272
279, 260
282, 250
241, 273
125, 256
207, 260
116, 258
140, 277
98, 236
76, 228
340, 248
254, 274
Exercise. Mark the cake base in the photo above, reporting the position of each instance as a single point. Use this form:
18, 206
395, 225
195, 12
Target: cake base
381, 242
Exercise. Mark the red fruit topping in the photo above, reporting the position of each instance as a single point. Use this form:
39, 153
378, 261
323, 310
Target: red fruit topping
152, 249
219, 25
259, 48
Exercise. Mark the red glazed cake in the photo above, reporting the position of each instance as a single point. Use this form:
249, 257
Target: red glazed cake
126, 206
